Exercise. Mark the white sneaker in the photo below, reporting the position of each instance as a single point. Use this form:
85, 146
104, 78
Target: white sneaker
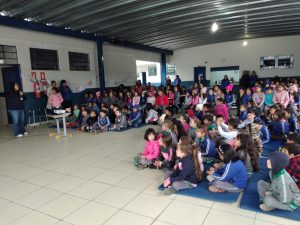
19, 135
25, 133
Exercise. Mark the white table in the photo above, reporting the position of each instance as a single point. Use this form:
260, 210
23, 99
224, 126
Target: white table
62, 117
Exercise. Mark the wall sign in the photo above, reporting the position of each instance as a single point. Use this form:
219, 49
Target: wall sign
152, 70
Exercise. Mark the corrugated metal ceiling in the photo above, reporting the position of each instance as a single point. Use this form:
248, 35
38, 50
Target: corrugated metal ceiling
167, 24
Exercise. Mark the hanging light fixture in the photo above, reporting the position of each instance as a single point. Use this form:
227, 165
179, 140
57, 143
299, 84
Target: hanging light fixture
214, 27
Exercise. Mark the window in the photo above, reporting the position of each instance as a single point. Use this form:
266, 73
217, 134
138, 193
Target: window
43, 59
79, 61
285, 61
267, 62
8, 54
152, 70
171, 69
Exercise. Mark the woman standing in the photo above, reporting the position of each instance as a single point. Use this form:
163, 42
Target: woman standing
66, 93
15, 106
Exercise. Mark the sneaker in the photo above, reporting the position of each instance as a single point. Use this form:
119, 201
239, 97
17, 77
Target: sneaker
25, 133
265, 208
19, 135
169, 191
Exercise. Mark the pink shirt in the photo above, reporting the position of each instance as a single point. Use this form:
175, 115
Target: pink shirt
151, 150
281, 98
55, 100
222, 110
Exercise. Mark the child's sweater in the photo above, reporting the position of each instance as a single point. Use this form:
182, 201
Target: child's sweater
185, 127
233, 172
294, 169
284, 188
121, 121
152, 116
185, 171
135, 116
167, 157
264, 134
227, 134
293, 127
280, 128
207, 147
91, 121
229, 98
151, 150
222, 110
103, 121
243, 115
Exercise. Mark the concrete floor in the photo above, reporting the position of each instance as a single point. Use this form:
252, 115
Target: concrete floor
89, 180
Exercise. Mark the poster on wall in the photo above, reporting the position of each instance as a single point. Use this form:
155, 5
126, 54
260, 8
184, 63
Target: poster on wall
171, 69
152, 70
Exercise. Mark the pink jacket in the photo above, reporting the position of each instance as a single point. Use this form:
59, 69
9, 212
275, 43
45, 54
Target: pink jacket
194, 100
281, 98
55, 100
151, 150
222, 110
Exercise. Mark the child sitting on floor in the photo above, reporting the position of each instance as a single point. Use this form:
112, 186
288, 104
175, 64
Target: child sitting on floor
166, 156
152, 115
279, 127
264, 132
246, 152
185, 123
243, 113
206, 145
91, 122
282, 193
168, 126
293, 152
221, 109
146, 158
103, 122
187, 174
228, 132
194, 124
135, 118
232, 177
120, 121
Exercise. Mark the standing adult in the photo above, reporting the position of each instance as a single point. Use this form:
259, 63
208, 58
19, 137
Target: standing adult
245, 80
225, 82
177, 81
253, 78
49, 92
168, 81
15, 106
66, 93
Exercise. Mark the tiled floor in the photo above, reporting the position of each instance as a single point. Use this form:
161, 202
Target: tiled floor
89, 179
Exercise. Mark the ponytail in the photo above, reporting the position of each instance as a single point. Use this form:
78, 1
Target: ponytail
195, 152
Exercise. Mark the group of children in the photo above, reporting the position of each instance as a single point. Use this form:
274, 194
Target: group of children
208, 141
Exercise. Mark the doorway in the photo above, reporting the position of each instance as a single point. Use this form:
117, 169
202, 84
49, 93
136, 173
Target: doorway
9, 74
200, 75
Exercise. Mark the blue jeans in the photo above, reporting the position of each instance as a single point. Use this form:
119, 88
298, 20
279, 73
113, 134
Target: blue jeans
18, 119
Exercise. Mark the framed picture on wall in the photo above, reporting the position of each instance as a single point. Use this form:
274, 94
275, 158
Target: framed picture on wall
152, 70
171, 69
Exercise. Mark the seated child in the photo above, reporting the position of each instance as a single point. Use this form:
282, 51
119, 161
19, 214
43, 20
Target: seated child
282, 192
96, 108
120, 122
292, 121
135, 118
187, 174
232, 177
228, 132
185, 123
168, 126
85, 115
103, 122
293, 152
229, 96
250, 119
194, 124
243, 113
221, 109
152, 115
206, 145
254, 130
92, 122
146, 158
210, 123
279, 127
246, 152
264, 132
166, 156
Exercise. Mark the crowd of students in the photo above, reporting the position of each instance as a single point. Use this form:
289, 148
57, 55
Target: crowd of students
199, 136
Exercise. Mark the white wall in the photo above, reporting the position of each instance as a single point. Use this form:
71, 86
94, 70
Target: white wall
235, 54
152, 79
25, 39
120, 64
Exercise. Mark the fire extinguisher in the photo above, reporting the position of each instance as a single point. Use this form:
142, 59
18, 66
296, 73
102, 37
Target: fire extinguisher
36, 86
43, 82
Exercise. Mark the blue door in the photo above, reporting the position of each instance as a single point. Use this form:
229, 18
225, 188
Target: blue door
200, 74
11, 74
144, 78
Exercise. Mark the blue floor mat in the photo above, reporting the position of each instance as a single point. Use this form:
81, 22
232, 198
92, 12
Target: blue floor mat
250, 200
201, 191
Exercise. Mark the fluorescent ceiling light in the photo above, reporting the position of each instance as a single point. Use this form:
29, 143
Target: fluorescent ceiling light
214, 27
